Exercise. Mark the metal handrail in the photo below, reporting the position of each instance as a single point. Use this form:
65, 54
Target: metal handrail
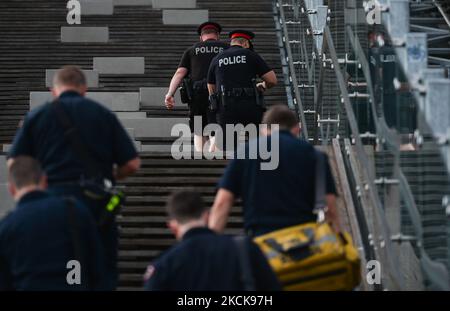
442, 12
381, 231
436, 273
298, 101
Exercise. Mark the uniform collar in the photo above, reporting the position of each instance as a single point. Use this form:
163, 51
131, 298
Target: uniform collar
32, 196
236, 46
197, 232
67, 94
286, 133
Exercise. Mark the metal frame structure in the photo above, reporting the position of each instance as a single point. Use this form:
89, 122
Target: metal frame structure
381, 237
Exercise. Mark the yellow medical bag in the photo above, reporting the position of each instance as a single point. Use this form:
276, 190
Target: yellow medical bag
312, 256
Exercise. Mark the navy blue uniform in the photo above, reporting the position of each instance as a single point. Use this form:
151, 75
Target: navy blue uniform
275, 199
36, 245
196, 60
42, 137
236, 68
234, 72
204, 260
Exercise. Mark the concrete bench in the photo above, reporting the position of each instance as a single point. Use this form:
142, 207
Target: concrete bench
119, 65
113, 101
154, 96
174, 4
153, 127
132, 2
185, 17
91, 77
97, 7
84, 34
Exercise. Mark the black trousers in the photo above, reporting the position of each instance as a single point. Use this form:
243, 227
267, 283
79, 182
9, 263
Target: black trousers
200, 107
237, 110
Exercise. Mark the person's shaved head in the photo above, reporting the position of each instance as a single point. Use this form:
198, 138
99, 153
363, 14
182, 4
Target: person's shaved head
25, 171
69, 76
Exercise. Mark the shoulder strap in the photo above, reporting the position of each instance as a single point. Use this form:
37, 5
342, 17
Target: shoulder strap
72, 134
73, 228
247, 278
74, 231
320, 177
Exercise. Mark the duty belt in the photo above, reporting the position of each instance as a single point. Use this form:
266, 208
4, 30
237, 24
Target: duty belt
239, 92
200, 86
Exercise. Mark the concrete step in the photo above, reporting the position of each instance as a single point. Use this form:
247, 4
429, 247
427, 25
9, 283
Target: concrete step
130, 132
154, 96
153, 127
185, 17
39, 98
138, 146
131, 115
156, 148
6, 202
97, 7
91, 77
119, 65
115, 101
132, 2
174, 4
6, 148
81, 34
3, 170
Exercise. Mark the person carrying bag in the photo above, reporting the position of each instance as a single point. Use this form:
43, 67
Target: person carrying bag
312, 256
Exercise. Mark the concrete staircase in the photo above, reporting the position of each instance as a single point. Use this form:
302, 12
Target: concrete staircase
129, 55
429, 184
140, 54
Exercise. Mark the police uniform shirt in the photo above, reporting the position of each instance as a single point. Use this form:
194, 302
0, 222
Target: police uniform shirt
204, 260
236, 68
197, 58
36, 245
275, 199
42, 137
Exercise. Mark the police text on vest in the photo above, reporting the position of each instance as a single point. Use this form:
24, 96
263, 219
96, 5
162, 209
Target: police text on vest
208, 50
239, 59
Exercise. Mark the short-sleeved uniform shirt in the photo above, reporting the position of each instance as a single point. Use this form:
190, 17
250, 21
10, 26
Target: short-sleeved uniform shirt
236, 68
36, 245
279, 198
42, 137
197, 58
205, 261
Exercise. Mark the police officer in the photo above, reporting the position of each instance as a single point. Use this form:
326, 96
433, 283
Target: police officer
194, 64
204, 260
83, 149
278, 198
231, 81
44, 234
